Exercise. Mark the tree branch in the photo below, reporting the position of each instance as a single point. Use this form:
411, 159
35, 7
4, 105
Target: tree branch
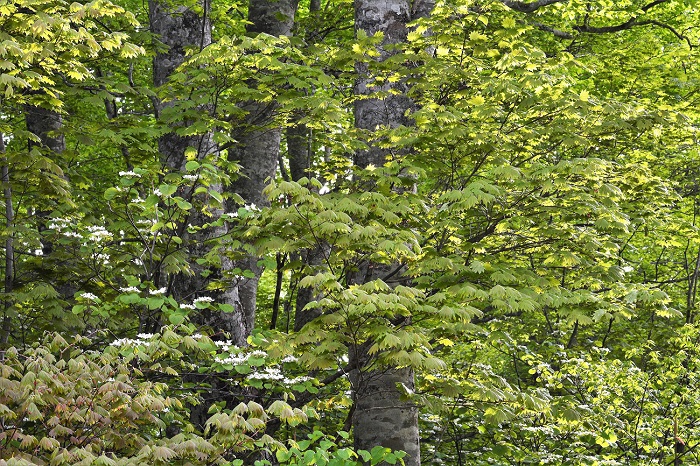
670, 28
556, 32
529, 7
605, 29
632, 23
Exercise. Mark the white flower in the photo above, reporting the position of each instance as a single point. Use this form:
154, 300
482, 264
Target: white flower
205, 299
38, 252
251, 207
130, 173
129, 289
290, 358
224, 345
129, 341
190, 177
98, 232
158, 291
137, 200
157, 192
89, 296
234, 359
186, 306
270, 373
296, 380
145, 336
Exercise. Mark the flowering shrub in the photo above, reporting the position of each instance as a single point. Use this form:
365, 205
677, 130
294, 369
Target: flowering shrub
63, 404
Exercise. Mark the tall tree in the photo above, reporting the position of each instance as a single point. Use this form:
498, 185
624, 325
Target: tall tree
257, 149
180, 28
381, 416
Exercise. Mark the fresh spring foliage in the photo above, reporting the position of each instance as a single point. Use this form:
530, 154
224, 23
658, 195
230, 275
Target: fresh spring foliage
528, 248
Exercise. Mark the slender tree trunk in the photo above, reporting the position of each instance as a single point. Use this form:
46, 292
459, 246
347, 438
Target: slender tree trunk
380, 416
258, 145
9, 249
47, 125
300, 154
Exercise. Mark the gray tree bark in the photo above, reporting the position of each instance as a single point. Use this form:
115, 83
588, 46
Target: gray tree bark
258, 143
179, 28
380, 416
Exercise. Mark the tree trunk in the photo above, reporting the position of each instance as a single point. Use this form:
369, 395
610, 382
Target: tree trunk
179, 28
47, 126
258, 145
9, 272
380, 416
300, 155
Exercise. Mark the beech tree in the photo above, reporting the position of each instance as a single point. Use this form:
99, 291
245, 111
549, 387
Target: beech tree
345, 233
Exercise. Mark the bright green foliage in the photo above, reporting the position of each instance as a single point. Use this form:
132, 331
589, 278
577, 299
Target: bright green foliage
530, 247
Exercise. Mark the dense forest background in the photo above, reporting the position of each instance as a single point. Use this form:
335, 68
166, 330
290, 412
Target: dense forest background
323, 232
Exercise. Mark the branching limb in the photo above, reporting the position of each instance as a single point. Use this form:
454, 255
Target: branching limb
529, 7
556, 32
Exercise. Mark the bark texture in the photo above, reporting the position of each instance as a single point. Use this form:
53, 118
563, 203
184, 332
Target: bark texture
46, 125
381, 417
180, 28
258, 142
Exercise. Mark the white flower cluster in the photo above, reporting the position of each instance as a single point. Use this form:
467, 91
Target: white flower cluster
130, 173
234, 359
131, 342
104, 258
129, 289
225, 345
59, 223
190, 177
273, 373
158, 292
270, 373
89, 296
64, 225
203, 299
98, 233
